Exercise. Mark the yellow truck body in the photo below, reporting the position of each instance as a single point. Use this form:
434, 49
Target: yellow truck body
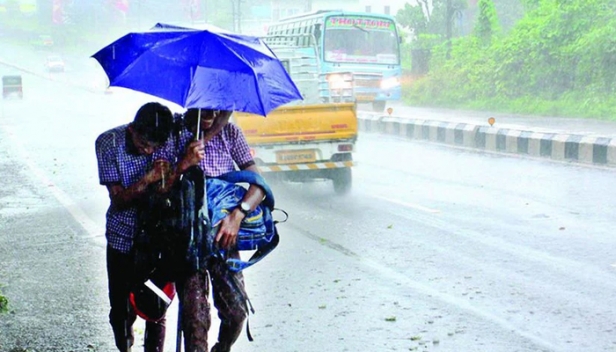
323, 122
304, 142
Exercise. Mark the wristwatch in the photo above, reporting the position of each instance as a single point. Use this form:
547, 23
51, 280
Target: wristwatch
244, 208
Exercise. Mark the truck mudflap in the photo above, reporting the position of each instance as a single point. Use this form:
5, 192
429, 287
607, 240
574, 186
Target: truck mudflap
307, 166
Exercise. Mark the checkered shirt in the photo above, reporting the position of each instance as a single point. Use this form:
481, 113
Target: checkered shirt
116, 165
222, 153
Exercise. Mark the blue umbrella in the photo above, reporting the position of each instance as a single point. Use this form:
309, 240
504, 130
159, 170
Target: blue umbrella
207, 69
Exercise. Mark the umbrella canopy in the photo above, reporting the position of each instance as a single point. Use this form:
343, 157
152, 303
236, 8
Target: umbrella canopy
207, 69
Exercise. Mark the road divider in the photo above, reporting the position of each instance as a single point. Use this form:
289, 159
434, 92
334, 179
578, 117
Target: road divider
579, 148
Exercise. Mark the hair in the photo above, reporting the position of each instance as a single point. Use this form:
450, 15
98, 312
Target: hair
191, 115
154, 122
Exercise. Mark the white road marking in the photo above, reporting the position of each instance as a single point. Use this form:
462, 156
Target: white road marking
91, 227
408, 205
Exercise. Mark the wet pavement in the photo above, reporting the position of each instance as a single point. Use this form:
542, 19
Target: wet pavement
434, 250
48, 307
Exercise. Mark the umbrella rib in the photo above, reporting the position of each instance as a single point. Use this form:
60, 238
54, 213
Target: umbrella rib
254, 74
193, 71
258, 88
120, 76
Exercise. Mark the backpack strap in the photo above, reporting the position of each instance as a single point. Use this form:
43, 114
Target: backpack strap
237, 265
252, 178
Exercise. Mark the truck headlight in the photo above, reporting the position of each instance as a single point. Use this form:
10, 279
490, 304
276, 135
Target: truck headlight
390, 82
340, 81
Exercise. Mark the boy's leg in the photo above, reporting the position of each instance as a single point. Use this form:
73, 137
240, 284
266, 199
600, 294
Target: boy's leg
230, 300
194, 292
121, 316
154, 340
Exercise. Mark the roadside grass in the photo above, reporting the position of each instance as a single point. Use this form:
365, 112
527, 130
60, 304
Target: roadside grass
4, 304
580, 107
590, 105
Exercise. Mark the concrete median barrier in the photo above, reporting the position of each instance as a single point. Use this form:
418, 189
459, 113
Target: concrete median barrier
569, 147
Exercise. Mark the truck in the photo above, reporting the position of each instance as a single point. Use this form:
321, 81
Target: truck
311, 139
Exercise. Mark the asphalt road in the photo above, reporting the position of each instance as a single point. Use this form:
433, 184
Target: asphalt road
436, 249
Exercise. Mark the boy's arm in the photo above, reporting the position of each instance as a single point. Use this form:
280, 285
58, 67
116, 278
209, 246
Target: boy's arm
125, 197
230, 225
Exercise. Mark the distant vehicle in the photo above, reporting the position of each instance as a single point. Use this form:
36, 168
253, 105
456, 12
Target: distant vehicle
43, 41
366, 45
54, 63
11, 85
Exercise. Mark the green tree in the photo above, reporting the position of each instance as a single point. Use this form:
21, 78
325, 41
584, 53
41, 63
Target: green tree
487, 22
559, 59
531, 4
412, 16
423, 19
509, 12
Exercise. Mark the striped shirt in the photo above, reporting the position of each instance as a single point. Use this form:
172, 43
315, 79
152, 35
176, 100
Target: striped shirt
118, 165
227, 149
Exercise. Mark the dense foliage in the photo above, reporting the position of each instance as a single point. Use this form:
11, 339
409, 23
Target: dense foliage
559, 59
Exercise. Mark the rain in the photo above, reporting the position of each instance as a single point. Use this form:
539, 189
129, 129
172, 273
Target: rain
445, 167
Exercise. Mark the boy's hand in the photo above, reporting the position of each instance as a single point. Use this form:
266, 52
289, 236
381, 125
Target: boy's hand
194, 154
152, 176
226, 237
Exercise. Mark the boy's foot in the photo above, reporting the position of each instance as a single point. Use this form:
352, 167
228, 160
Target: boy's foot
218, 348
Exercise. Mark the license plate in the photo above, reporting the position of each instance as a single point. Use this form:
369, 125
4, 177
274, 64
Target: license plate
296, 156
365, 97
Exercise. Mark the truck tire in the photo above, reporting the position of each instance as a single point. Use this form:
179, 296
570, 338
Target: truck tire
378, 106
343, 180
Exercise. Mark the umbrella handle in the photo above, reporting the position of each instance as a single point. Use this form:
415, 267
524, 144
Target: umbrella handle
198, 124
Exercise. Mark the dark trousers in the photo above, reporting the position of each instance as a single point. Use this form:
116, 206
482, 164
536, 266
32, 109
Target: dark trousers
229, 299
121, 315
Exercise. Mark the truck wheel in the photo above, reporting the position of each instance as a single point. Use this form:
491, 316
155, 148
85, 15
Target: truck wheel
343, 180
378, 106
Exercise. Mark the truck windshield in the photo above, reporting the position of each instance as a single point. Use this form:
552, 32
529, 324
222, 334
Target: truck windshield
360, 40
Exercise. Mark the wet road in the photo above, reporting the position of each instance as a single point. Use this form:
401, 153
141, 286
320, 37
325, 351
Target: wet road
436, 249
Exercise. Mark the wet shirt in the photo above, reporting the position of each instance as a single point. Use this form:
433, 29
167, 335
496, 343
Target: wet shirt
227, 149
118, 165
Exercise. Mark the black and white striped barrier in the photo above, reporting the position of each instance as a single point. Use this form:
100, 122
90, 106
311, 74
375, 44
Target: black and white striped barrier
558, 146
